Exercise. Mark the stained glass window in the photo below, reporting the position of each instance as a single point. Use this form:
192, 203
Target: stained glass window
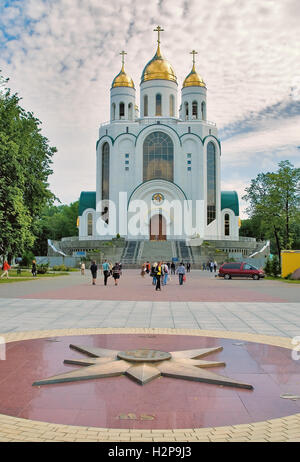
158, 157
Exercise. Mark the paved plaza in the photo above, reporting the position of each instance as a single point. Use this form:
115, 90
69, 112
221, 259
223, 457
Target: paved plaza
262, 311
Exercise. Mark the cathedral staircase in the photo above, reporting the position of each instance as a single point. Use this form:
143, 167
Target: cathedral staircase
138, 252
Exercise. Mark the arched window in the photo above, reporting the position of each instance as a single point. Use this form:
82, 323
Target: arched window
226, 224
186, 110
211, 182
105, 174
172, 106
90, 224
145, 105
203, 110
122, 110
195, 110
158, 157
130, 111
158, 105
113, 111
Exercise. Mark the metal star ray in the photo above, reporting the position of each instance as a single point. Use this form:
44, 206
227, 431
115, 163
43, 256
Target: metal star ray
144, 365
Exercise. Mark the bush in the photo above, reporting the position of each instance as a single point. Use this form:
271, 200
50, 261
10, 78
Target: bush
61, 268
275, 266
43, 268
268, 267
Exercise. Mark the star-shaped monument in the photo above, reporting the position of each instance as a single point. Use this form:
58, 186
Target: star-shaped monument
144, 365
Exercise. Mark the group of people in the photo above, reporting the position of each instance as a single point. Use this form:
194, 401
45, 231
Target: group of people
107, 270
210, 266
160, 271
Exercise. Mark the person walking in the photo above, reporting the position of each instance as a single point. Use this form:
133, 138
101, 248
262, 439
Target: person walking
116, 273
211, 266
153, 273
143, 269
215, 266
173, 268
203, 266
148, 267
166, 274
106, 271
33, 268
5, 268
82, 269
159, 273
188, 267
94, 270
181, 272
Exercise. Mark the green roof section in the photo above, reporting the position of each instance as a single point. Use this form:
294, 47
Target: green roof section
230, 200
87, 201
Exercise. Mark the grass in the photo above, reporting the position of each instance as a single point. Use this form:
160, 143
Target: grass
289, 281
27, 276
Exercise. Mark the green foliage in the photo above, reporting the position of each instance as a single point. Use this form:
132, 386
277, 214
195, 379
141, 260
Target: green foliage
274, 200
25, 160
268, 267
42, 268
275, 268
27, 259
61, 268
55, 222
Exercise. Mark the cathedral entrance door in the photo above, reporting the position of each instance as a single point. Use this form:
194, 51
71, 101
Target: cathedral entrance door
158, 228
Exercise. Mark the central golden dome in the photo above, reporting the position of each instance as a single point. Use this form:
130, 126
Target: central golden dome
158, 68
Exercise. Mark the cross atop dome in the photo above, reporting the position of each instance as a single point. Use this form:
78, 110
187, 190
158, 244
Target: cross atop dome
158, 30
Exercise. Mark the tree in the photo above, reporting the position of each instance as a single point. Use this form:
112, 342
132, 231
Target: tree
56, 222
25, 159
274, 204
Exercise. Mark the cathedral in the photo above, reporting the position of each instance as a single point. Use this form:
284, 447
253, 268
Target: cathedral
162, 157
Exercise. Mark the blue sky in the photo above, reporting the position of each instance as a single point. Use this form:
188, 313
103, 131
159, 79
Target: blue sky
62, 55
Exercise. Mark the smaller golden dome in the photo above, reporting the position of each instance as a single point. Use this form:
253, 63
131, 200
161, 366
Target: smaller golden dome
193, 79
122, 80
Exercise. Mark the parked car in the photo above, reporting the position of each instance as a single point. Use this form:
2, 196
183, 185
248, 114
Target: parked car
229, 270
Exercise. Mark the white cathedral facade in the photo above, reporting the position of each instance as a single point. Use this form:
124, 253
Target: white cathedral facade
160, 156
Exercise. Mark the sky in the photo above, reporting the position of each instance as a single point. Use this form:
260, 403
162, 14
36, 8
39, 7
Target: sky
61, 56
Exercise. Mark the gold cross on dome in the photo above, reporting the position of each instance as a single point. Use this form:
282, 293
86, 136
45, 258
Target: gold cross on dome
194, 53
123, 53
158, 30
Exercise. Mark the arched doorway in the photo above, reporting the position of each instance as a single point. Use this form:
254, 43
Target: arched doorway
158, 228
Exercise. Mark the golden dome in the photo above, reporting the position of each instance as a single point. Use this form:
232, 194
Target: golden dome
193, 79
122, 80
158, 68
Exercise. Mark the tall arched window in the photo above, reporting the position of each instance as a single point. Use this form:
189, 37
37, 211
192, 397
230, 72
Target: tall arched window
145, 105
158, 105
172, 106
90, 224
113, 111
105, 172
122, 110
226, 224
195, 110
130, 111
186, 110
203, 110
211, 182
158, 157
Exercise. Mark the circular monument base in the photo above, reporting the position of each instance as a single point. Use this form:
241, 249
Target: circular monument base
164, 403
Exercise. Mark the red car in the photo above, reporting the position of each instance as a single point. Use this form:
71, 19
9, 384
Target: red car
229, 270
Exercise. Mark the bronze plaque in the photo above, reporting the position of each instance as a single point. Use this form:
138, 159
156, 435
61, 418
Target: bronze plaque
144, 356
